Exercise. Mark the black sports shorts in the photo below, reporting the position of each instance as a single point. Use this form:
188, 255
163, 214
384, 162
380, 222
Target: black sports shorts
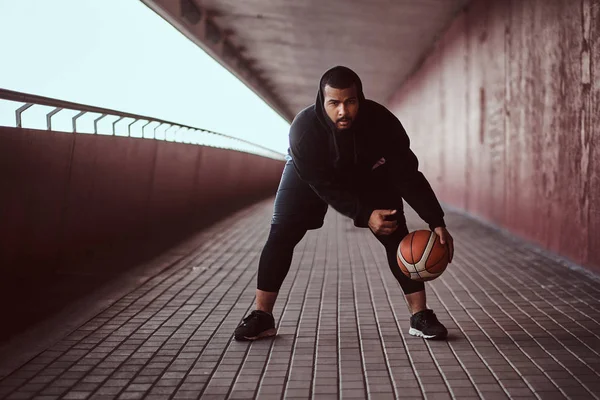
296, 203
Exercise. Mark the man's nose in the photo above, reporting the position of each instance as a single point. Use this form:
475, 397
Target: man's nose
342, 109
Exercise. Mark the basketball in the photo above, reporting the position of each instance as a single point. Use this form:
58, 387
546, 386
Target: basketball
421, 256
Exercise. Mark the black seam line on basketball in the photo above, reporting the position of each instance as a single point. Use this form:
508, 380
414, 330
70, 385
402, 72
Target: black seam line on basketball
292, 353
428, 255
433, 266
287, 299
427, 268
413, 257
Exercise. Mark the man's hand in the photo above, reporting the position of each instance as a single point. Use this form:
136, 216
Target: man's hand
446, 238
380, 222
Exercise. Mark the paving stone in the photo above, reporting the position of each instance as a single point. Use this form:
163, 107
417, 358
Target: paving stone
342, 322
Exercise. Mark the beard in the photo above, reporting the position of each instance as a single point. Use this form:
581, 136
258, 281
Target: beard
348, 124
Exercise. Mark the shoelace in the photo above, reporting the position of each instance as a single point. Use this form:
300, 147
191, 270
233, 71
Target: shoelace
253, 315
429, 319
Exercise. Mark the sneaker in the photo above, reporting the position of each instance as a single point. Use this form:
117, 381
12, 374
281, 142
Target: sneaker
258, 324
426, 325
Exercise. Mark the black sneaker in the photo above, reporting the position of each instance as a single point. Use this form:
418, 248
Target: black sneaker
426, 325
258, 324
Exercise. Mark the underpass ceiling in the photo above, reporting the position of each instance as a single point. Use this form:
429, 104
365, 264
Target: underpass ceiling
280, 48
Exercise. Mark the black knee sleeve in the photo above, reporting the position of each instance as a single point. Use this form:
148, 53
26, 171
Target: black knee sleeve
276, 256
408, 285
391, 243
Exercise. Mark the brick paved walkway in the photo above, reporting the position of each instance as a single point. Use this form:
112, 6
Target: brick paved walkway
521, 326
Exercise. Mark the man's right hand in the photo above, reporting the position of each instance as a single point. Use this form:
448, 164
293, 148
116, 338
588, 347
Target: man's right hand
380, 222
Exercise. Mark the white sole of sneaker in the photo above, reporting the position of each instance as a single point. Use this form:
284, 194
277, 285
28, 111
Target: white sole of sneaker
418, 333
264, 334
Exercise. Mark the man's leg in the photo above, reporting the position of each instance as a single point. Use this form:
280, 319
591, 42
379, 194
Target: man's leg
265, 301
416, 301
423, 322
296, 209
414, 291
275, 261
274, 265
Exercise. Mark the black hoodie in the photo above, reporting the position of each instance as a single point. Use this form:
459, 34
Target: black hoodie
338, 165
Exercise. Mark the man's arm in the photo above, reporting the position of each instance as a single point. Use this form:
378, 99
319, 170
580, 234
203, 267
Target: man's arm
415, 188
313, 170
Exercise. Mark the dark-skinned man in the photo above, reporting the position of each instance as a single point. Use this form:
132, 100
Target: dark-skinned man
352, 154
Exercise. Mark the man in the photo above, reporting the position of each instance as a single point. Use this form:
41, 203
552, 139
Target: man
352, 154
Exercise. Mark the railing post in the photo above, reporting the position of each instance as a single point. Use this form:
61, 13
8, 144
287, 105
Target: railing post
75, 120
96, 123
19, 112
50, 115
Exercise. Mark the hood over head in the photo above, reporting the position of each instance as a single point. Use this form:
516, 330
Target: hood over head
326, 121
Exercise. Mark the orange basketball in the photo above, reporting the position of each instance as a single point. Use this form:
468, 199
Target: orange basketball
421, 256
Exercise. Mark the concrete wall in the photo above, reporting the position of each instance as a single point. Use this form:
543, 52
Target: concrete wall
505, 118
64, 194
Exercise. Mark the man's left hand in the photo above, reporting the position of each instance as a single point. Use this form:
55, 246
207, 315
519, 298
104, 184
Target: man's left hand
446, 238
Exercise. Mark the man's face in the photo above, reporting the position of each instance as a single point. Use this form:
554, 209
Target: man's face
341, 105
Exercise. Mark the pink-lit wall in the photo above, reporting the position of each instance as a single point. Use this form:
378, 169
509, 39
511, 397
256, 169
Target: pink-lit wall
505, 117
64, 194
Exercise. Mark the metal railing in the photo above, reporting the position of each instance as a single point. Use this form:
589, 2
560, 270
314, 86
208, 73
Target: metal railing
173, 132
